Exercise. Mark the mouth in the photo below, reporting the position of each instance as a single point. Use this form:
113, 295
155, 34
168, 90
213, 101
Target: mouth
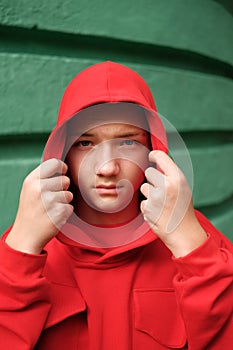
110, 189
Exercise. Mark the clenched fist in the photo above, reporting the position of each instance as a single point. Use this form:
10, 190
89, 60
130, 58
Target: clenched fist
168, 206
44, 207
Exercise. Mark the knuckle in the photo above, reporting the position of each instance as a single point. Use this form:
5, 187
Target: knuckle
58, 163
60, 209
43, 186
149, 172
50, 166
54, 161
56, 212
63, 212
31, 185
48, 199
68, 210
54, 165
37, 188
28, 180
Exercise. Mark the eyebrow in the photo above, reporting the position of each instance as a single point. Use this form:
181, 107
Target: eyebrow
120, 135
87, 134
131, 134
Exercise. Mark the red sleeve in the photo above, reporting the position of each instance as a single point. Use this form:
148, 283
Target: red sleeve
204, 287
24, 298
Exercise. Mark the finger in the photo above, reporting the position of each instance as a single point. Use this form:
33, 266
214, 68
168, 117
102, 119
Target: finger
155, 177
51, 198
153, 195
142, 206
163, 163
52, 167
60, 214
151, 213
145, 190
57, 183
64, 196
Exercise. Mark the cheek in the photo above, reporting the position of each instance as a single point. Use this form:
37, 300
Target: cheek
73, 162
135, 175
81, 168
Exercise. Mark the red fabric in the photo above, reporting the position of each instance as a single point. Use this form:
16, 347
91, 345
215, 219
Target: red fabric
131, 297
102, 83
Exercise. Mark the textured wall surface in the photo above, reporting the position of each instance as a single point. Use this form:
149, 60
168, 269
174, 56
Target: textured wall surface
183, 48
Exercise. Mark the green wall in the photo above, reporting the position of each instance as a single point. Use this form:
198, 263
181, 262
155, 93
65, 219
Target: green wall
183, 48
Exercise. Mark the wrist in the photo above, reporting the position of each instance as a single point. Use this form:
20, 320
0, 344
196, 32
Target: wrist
184, 240
18, 242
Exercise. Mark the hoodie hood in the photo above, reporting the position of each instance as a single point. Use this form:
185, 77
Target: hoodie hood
105, 82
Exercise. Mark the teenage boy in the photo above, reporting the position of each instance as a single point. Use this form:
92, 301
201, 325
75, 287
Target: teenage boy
106, 251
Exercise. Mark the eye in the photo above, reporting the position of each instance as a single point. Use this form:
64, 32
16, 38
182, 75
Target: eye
129, 142
83, 144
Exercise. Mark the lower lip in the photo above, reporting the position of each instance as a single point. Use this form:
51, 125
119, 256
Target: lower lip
107, 191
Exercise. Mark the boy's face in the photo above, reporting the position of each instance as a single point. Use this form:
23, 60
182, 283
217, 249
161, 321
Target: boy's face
107, 164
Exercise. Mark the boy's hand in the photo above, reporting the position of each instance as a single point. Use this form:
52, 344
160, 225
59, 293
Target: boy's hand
43, 208
168, 208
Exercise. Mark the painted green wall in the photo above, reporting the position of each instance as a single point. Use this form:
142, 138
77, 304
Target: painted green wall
183, 48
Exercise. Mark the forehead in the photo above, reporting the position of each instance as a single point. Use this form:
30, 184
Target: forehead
114, 130
108, 115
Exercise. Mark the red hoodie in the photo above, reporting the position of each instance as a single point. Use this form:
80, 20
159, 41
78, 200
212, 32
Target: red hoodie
130, 297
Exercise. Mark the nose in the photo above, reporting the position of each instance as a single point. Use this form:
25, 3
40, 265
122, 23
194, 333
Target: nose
108, 168
106, 162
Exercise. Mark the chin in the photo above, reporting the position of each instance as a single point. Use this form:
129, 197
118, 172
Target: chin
110, 205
